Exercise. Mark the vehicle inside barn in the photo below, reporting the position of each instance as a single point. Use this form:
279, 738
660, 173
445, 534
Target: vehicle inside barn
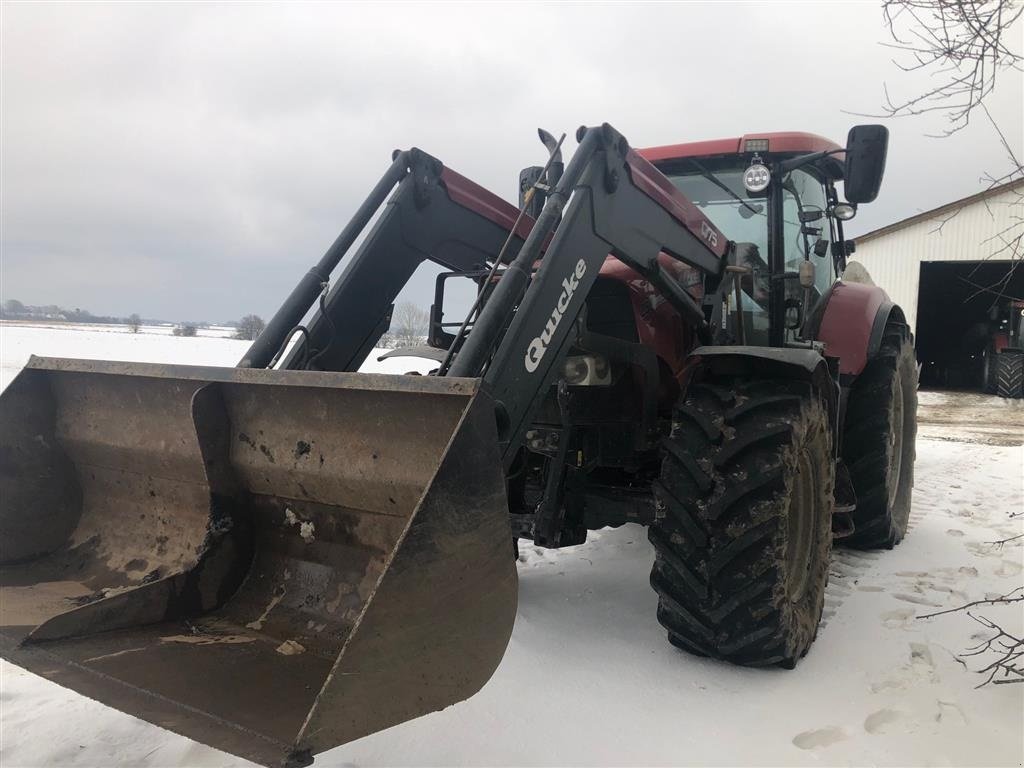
956, 270
966, 319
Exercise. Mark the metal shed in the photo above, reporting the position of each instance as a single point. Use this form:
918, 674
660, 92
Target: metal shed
949, 269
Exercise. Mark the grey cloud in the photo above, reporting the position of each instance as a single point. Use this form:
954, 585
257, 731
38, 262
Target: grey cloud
191, 161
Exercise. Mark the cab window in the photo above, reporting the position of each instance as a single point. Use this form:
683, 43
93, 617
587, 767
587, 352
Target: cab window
804, 192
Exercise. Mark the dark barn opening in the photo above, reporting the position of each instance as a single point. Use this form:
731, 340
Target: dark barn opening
957, 313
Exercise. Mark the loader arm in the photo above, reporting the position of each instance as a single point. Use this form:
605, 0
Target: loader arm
610, 200
433, 213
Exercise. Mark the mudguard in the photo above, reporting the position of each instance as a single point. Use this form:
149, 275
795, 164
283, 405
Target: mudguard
785, 362
850, 321
803, 364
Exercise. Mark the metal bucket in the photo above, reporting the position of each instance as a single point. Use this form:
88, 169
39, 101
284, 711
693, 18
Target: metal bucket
272, 563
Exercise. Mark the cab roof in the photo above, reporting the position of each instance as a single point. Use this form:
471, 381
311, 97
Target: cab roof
790, 142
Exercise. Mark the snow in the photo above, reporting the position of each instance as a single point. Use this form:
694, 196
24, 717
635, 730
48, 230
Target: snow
153, 344
588, 678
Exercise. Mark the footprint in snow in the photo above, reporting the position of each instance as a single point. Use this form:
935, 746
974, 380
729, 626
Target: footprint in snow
888, 685
1009, 568
981, 549
898, 619
916, 600
886, 721
821, 737
950, 713
954, 532
921, 662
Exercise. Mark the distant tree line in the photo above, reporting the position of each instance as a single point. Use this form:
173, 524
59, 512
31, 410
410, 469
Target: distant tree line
248, 328
12, 309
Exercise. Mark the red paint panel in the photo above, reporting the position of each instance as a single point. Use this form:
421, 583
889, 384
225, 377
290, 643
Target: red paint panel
691, 149
847, 322
785, 141
480, 200
656, 186
658, 324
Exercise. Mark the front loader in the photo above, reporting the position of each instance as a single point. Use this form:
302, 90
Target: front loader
282, 557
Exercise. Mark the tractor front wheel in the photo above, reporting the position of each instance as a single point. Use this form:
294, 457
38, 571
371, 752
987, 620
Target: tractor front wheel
743, 542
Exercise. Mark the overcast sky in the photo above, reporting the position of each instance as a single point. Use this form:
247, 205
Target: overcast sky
192, 161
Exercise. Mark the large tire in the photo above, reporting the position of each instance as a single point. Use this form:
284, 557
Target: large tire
989, 371
1010, 374
743, 546
879, 437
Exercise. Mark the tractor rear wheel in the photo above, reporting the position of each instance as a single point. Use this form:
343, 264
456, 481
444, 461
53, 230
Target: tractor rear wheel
1010, 374
879, 433
743, 546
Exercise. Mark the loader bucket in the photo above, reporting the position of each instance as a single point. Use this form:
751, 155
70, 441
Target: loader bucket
272, 563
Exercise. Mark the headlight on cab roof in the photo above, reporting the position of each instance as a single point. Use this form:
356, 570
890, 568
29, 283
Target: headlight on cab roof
756, 178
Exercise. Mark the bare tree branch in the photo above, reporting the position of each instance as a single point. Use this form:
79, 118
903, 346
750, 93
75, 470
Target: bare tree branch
1003, 650
1008, 650
963, 46
963, 43
1013, 596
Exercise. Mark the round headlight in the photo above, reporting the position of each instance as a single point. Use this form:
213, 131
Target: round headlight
844, 211
756, 178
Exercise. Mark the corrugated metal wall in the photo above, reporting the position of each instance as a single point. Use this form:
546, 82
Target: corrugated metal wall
894, 259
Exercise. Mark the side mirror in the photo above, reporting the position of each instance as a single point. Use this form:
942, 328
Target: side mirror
866, 147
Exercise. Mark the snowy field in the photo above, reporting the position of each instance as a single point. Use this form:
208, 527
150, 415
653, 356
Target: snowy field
153, 344
589, 679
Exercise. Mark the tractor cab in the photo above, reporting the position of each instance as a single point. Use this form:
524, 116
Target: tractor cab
776, 192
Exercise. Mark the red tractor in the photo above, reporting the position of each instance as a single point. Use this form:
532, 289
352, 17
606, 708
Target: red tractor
281, 557
1003, 358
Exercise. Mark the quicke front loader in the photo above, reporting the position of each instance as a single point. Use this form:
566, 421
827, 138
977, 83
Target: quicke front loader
281, 557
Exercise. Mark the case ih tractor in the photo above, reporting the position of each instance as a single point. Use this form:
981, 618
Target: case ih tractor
278, 558
1003, 358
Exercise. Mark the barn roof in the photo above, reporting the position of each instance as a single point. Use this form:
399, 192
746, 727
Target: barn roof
935, 212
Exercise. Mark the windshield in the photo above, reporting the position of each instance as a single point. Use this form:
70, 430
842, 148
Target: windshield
721, 197
716, 187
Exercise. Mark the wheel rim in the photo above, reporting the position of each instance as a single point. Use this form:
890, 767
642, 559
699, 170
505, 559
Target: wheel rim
800, 529
896, 442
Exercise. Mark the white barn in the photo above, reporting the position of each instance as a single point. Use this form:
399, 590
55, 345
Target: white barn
949, 269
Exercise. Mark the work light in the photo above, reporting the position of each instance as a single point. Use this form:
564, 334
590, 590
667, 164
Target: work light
756, 178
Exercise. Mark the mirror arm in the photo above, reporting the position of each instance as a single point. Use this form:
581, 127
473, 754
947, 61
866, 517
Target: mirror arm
785, 166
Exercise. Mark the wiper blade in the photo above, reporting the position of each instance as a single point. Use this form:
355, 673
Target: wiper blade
725, 188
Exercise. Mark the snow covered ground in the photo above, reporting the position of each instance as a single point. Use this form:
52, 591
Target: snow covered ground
153, 344
589, 679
